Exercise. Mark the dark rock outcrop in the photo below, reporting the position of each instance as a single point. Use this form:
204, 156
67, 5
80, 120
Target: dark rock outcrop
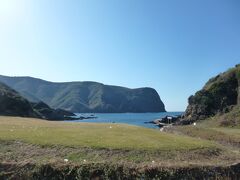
167, 120
219, 96
86, 96
63, 112
51, 114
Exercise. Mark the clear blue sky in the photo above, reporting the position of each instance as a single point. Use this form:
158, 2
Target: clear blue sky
171, 45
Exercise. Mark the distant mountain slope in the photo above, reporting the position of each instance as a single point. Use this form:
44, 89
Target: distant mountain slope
12, 104
220, 96
86, 96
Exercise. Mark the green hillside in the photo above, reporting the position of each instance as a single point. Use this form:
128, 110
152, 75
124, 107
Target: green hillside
219, 99
86, 96
11, 103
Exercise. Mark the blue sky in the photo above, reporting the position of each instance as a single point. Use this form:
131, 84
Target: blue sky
173, 46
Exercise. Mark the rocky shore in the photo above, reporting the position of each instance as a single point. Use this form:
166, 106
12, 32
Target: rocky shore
166, 121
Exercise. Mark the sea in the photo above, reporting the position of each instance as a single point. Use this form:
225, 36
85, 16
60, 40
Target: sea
137, 119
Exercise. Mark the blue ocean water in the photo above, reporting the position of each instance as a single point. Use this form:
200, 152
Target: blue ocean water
137, 119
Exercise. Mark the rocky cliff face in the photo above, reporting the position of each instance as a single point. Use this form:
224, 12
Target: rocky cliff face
86, 96
220, 95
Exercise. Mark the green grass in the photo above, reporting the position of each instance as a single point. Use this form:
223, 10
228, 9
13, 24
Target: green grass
34, 141
94, 135
210, 129
229, 120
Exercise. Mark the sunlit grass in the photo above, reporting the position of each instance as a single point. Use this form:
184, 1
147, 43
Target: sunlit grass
223, 135
112, 136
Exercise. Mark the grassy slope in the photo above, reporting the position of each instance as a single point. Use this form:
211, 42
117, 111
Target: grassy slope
92, 135
212, 129
230, 119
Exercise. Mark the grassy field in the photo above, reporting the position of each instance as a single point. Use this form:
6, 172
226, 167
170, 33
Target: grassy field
33, 147
111, 136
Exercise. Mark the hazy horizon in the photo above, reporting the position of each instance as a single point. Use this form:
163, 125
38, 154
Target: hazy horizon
173, 47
